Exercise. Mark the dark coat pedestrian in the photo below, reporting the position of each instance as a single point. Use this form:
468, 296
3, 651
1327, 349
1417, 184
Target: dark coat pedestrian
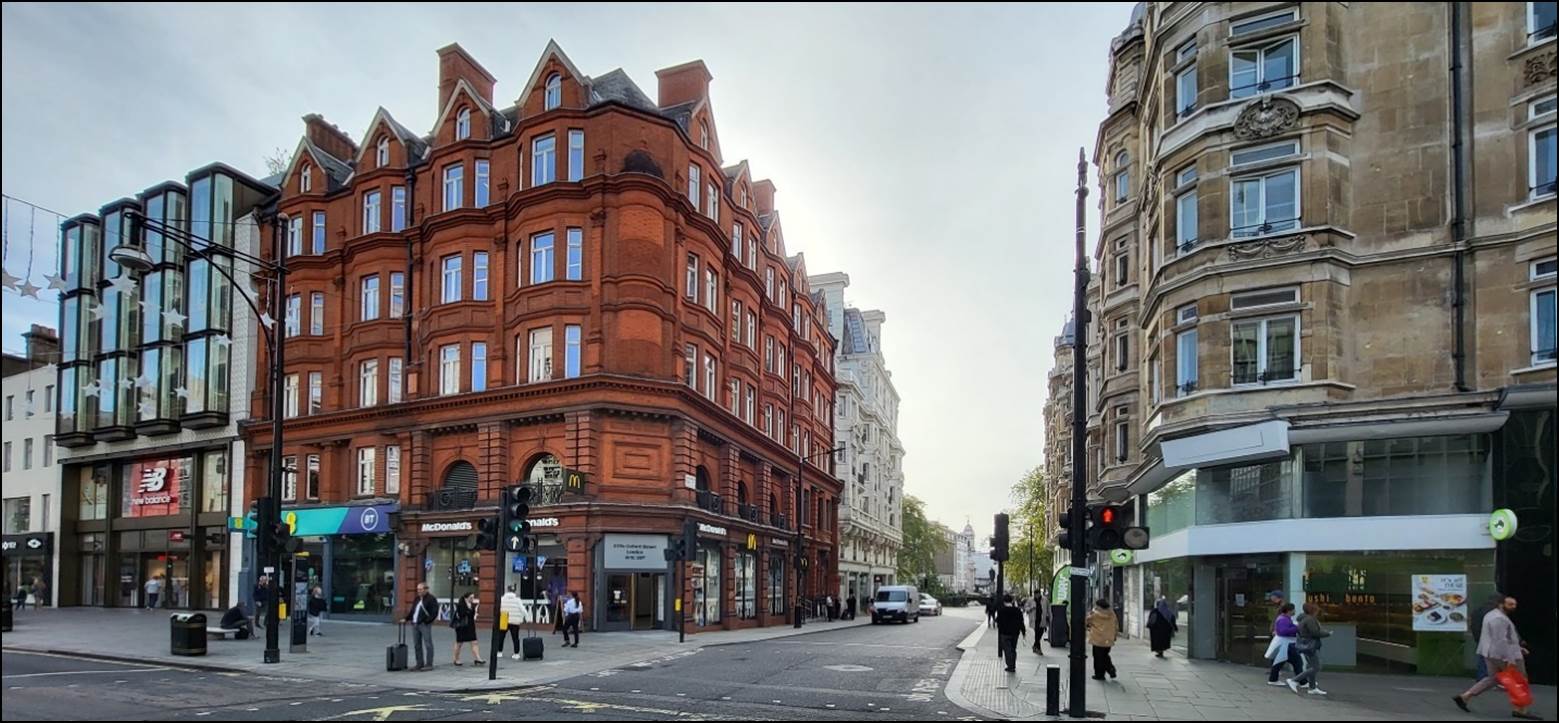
1162, 626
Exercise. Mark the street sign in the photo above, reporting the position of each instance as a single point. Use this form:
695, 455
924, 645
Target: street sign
1083, 571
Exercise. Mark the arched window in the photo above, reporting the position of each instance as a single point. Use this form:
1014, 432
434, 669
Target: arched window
461, 475
741, 493
773, 509
463, 124
545, 476
382, 155
703, 478
305, 178
703, 134
554, 96
1122, 176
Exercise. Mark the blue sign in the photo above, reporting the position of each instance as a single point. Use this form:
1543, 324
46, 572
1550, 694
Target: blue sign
427, 564
519, 563
541, 561
464, 567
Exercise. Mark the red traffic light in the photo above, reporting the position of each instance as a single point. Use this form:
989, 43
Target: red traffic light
1107, 516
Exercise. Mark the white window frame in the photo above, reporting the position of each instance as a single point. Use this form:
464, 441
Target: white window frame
311, 477
397, 294
305, 178
449, 369
552, 97
478, 366
479, 276
1536, 112
1236, 298
712, 202
397, 208
736, 241
711, 290
317, 313
392, 469
481, 191
1185, 97
711, 377
463, 124
294, 314
694, 185
368, 297
573, 351
382, 153
736, 320
1122, 442
752, 330
747, 402
396, 380
1187, 369
1186, 313
1538, 292
543, 264
316, 392
1236, 24
319, 233
1533, 36
1262, 336
451, 271
291, 395
1122, 177
1262, 84
1187, 222
289, 477
690, 365
690, 280
576, 155
1265, 225
543, 160
454, 186
1289, 148
371, 212
540, 354
295, 236
368, 383
574, 262
366, 471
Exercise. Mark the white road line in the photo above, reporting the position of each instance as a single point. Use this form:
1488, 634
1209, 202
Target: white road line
81, 672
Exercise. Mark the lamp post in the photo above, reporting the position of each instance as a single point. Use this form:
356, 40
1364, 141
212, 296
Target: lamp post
1077, 599
801, 465
133, 256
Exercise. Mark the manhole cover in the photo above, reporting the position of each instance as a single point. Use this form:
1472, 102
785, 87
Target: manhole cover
847, 668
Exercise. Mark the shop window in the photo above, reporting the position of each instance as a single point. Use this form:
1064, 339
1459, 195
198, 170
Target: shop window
1407, 476
707, 591
777, 605
1244, 493
746, 577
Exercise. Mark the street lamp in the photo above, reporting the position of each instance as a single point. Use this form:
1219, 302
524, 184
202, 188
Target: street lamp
130, 254
801, 466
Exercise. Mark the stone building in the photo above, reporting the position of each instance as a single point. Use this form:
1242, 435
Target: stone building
1323, 317
31, 514
575, 286
866, 424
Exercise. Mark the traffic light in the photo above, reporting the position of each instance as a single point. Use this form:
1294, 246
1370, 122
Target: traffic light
1112, 530
486, 537
282, 539
1002, 540
1064, 537
516, 518
683, 547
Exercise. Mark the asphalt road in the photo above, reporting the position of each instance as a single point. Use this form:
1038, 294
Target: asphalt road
895, 672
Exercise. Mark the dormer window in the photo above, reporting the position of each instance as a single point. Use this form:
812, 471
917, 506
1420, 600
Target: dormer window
703, 134
382, 153
305, 178
554, 96
463, 124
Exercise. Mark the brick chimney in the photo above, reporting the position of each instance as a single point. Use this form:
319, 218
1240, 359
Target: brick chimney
763, 196
43, 346
455, 65
328, 137
682, 83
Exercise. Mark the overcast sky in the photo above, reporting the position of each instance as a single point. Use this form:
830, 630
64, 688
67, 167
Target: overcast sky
928, 151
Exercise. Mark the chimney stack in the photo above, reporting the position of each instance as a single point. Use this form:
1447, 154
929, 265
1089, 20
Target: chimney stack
682, 83
328, 137
455, 65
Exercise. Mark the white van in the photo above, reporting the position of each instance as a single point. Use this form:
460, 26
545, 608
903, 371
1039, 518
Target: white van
896, 602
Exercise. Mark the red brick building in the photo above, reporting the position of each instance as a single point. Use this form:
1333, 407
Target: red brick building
576, 282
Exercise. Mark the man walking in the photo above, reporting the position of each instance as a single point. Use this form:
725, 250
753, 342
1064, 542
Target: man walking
262, 597
1009, 625
1501, 647
572, 610
153, 591
1041, 619
424, 610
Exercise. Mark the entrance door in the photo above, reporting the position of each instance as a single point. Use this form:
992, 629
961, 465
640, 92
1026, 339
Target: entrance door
619, 597
646, 599
1245, 615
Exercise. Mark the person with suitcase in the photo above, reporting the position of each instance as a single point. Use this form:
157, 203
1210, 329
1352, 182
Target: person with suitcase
515, 609
395, 655
424, 610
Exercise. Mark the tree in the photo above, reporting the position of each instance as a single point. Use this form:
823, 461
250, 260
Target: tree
1030, 558
276, 161
923, 539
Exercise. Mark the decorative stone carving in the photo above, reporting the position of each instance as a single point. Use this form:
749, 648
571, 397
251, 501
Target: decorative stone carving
1265, 117
1541, 67
1268, 247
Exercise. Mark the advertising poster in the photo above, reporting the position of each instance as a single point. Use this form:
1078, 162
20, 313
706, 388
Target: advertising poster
157, 486
1440, 603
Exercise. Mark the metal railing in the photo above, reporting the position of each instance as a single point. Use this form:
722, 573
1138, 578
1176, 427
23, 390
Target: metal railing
711, 502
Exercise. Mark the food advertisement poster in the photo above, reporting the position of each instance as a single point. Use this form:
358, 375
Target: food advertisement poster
1440, 603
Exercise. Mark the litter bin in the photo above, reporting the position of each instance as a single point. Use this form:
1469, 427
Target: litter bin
5, 617
189, 633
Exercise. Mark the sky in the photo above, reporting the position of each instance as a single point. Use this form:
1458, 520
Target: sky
929, 151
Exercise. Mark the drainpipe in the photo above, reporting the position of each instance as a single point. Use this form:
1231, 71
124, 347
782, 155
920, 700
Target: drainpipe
1459, 81
406, 304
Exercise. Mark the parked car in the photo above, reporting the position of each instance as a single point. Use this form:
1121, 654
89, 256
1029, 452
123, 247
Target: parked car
930, 605
896, 602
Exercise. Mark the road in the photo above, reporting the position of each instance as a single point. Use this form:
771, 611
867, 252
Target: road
893, 672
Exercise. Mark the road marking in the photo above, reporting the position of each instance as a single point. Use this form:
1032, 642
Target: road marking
81, 672
861, 645
847, 668
204, 712
384, 713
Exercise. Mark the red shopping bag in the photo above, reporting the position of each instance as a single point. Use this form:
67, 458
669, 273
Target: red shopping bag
1516, 686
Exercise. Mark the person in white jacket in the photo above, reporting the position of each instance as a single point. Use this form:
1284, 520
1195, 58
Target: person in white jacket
512, 605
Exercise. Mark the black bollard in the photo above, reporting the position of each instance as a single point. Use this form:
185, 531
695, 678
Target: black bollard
1052, 690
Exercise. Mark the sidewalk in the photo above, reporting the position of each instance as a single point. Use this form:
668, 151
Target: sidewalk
353, 652
1178, 689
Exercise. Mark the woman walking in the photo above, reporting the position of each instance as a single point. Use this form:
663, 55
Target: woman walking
1103, 629
1281, 651
316, 610
464, 623
571, 613
1162, 626
1308, 643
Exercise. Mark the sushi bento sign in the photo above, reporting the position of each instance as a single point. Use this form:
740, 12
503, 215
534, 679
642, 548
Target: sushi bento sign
1440, 603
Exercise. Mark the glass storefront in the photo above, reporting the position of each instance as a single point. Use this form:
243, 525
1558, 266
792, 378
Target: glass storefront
93, 568
362, 574
706, 586
452, 570
776, 583
1174, 581
29, 558
746, 578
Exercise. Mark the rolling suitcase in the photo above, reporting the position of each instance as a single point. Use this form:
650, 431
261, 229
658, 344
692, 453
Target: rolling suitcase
532, 648
395, 655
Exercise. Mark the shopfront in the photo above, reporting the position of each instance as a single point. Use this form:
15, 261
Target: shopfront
349, 552
449, 567
540, 577
635, 584
707, 573
29, 557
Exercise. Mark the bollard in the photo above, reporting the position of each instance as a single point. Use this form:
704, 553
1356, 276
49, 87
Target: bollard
1052, 690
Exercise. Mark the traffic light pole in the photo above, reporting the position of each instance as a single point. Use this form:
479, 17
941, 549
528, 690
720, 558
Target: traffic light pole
1078, 599
273, 555
501, 551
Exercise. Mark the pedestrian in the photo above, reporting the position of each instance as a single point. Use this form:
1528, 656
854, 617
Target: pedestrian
828, 606
990, 611
850, 604
1492, 603
1103, 629
463, 619
237, 619
1281, 650
1009, 626
262, 598
20, 598
511, 605
153, 590
572, 610
1502, 648
1309, 647
40, 592
1162, 626
1041, 619
316, 610
424, 610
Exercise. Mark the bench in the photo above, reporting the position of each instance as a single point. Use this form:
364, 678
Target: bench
221, 633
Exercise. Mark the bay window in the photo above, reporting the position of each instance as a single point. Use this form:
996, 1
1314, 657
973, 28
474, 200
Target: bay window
541, 354
1265, 203
571, 351
1264, 68
541, 258
449, 369
1266, 350
544, 160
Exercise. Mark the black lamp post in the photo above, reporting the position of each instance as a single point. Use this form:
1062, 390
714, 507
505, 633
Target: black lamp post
801, 554
133, 256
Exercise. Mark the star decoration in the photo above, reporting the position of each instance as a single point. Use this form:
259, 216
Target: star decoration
174, 318
28, 289
96, 312
144, 304
92, 389
146, 382
267, 321
7, 279
127, 383
56, 282
222, 340
182, 392
123, 284
148, 410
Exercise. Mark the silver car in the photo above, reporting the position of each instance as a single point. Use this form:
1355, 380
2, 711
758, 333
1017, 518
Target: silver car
896, 602
930, 605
